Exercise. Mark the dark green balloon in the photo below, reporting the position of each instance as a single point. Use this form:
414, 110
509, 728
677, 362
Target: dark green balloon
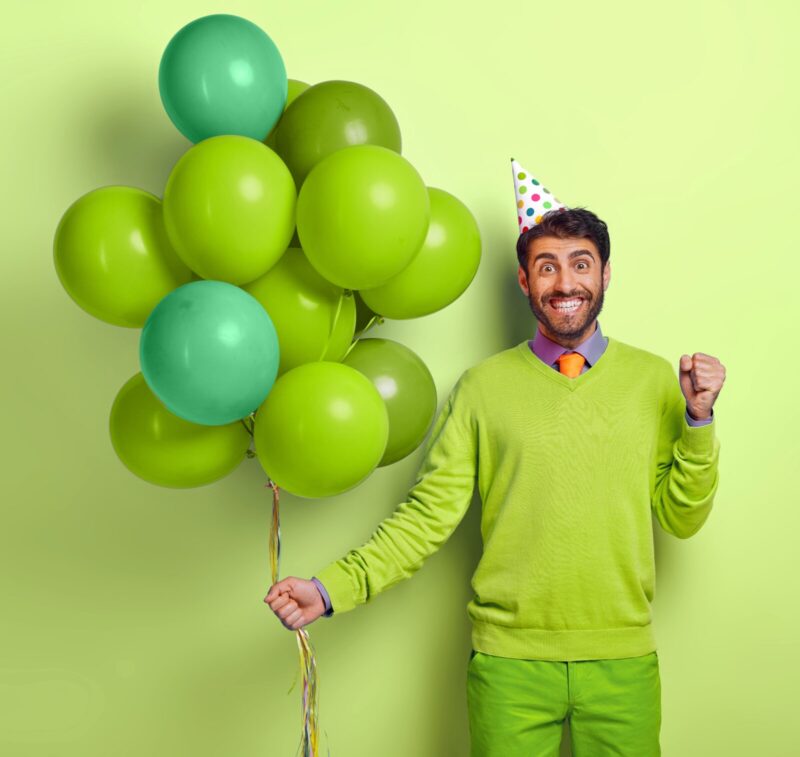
406, 386
296, 87
331, 115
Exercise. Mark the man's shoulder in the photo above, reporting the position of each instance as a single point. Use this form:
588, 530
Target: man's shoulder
487, 368
641, 359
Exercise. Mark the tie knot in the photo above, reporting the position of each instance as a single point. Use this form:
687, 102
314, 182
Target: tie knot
570, 363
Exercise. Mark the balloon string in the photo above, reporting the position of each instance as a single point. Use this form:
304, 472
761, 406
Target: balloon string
344, 293
252, 420
375, 319
250, 429
308, 664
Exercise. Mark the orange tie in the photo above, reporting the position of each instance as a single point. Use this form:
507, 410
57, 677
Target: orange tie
570, 363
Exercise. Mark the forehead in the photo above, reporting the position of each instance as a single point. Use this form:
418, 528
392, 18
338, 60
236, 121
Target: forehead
550, 246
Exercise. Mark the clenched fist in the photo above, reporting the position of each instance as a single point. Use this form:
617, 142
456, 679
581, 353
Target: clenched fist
701, 377
295, 601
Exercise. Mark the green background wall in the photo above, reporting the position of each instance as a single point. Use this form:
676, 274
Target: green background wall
132, 620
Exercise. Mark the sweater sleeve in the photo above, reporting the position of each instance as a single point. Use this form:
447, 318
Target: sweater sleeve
435, 505
685, 474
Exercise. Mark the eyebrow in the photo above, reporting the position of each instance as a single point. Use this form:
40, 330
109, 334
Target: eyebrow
573, 254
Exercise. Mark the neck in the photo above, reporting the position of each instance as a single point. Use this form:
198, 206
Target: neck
570, 342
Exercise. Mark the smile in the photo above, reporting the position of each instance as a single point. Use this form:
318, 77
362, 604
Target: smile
566, 306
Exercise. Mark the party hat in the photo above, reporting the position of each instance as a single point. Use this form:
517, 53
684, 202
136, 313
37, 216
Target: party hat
533, 200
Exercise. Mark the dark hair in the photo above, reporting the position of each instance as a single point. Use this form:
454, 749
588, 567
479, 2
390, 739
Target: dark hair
563, 223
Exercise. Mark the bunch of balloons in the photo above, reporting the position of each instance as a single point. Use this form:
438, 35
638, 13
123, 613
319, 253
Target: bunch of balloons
289, 227
291, 217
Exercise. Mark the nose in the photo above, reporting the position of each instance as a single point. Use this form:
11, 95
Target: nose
566, 281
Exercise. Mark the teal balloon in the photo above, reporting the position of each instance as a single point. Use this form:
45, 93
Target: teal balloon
222, 74
331, 115
406, 386
321, 430
209, 352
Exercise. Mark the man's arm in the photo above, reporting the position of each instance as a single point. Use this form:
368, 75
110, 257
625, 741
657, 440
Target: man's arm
685, 473
417, 528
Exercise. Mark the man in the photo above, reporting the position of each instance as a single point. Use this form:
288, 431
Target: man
581, 438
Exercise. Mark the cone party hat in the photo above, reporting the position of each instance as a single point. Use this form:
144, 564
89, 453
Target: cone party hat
533, 199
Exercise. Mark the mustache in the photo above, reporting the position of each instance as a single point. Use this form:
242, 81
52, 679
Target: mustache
562, 295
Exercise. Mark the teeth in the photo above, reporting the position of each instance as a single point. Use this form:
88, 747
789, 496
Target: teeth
567, 304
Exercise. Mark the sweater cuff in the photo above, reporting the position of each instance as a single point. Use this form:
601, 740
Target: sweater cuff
698, 441
339, 587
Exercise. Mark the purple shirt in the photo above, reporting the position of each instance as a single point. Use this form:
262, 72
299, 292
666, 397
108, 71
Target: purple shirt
328, 609
548, 351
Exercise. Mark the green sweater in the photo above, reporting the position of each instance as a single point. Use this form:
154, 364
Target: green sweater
569, 471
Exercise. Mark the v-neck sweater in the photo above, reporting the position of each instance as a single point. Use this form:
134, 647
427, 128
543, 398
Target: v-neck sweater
570, 472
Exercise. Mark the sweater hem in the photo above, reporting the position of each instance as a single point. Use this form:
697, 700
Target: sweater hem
546, 644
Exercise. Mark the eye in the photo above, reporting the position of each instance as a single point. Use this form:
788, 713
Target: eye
545, 266
583, 263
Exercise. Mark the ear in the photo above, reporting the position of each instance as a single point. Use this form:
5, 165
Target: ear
606, 274
522, 277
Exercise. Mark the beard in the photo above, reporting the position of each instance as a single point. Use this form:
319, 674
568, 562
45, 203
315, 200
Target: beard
564, 326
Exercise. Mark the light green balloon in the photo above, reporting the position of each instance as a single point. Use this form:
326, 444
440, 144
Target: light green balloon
296, 87
362, 215
406, 386
440, 272
303, 308
113, 257
229, 208
321, 430
166, 450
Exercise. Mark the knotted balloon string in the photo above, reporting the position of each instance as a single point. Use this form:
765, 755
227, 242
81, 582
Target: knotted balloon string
375, 319
309, 741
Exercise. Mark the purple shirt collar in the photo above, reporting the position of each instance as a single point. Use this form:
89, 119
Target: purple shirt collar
548, 351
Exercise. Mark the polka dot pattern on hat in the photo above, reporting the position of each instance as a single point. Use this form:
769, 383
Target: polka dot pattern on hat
533, 199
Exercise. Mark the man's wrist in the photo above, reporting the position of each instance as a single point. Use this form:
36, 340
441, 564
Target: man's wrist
323, 594
694, 420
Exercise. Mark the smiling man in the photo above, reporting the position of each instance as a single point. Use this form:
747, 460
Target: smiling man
575, 440
568, 280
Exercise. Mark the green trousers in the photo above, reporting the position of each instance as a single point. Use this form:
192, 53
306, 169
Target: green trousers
517, 707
